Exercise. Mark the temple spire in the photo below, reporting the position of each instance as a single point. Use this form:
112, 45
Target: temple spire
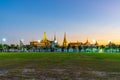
54, 37
44, 36
96, 43
87, 42
65, 40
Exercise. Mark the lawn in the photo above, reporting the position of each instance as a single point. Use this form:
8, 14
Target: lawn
59, 66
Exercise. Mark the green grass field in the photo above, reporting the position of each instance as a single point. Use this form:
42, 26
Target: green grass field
60, 66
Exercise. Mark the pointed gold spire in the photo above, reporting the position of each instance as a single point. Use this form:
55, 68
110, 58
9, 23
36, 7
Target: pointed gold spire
65, 41
44, 37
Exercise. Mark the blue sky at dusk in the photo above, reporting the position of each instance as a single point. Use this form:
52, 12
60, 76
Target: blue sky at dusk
80, 19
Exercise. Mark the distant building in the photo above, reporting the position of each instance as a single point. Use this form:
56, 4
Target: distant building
54, 43
44, 42
96, 44
85, 46
53, 46
74, 44
87, 43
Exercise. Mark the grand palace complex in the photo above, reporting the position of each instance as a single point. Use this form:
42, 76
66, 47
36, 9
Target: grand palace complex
53, 46
46, 42
46, 45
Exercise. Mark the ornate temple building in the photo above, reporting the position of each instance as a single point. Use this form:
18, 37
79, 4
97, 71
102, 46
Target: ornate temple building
44, 42
74, 44
87, 43
52, 43
96, 44
71, 44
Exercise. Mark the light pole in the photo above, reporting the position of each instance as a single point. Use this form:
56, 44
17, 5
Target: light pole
2, 41
94, 41
38, 46
38, 41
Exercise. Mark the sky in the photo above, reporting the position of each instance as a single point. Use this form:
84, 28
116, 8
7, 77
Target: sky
80, 19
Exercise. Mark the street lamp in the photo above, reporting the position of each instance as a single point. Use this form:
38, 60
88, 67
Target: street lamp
4, 40
94, 41
38, 41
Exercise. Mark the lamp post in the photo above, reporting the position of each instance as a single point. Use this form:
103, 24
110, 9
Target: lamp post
94, 41
2, 41
38, 41
1, 47
38, 46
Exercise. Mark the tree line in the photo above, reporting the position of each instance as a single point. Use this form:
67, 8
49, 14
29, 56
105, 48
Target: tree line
111, 47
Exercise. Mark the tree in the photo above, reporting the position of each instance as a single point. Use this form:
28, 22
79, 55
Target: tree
17, 47
12, 46
68, 47
1, 47
5, 47
80, 48
74, 48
